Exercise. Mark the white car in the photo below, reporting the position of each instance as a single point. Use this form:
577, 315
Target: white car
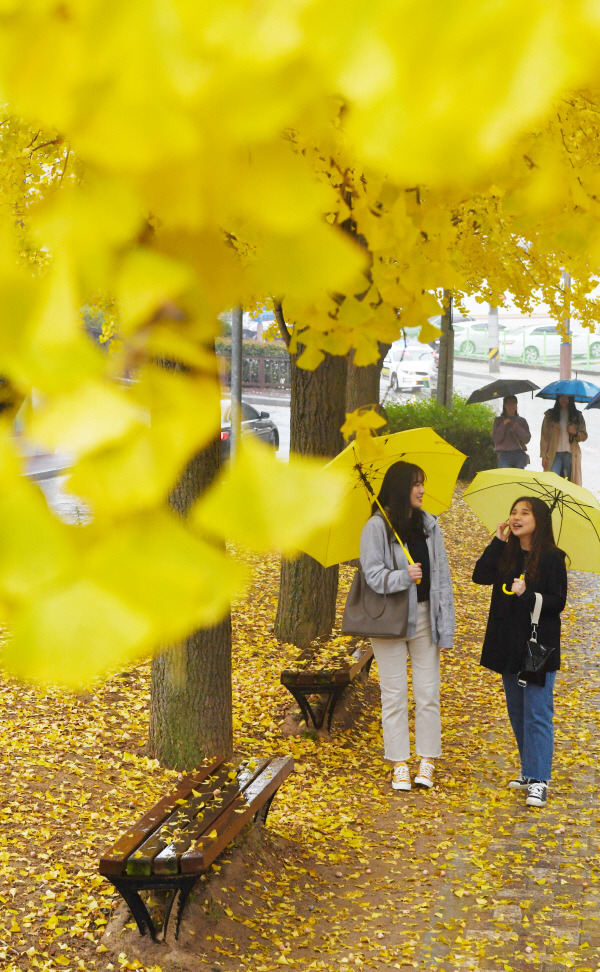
471, 337
410, 367
541, 343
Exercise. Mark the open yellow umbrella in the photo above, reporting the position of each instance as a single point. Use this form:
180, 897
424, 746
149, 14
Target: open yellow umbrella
364, 467
575, 511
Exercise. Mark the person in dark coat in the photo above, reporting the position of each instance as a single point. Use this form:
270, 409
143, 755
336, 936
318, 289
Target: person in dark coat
521, 560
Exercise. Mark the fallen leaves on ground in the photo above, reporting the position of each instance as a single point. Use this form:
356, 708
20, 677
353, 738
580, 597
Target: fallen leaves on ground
349, 873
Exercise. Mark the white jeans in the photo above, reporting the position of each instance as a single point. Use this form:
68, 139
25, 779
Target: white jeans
393, 678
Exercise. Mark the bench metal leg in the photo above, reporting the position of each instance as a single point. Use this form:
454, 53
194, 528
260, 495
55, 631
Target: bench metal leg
332, 697
184, 892
305, 708
168, 905
178, 886
137, 907
260, 817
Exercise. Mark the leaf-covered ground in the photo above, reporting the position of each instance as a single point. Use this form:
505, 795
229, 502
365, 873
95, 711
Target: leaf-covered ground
348, 874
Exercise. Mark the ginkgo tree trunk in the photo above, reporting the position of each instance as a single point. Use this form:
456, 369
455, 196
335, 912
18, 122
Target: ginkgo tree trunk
308, 591
191, 699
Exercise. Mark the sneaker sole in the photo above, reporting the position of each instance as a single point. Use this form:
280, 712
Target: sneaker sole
401, 786
421, 781
534, 802
513, 785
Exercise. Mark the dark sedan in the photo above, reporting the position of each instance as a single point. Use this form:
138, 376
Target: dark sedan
253, 423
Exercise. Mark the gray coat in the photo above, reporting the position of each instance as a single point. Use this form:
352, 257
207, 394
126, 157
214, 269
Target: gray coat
376, 561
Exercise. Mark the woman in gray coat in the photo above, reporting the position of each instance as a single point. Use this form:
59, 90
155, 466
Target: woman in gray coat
430, 618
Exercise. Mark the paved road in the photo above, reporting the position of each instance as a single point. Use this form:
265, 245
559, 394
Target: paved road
468, 375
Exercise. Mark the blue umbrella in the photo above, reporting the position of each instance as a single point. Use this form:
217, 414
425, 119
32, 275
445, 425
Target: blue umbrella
595, 403
582, 391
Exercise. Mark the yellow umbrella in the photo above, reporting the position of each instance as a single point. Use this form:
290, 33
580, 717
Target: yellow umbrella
575, 511
364, 467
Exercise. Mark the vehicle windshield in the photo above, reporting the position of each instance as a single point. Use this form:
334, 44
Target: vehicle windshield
410, 354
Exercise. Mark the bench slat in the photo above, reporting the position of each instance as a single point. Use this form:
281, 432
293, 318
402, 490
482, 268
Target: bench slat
242, 809
204, 819
114, 861
208, 804
321, 677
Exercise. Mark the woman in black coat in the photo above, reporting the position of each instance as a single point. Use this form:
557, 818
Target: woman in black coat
521, 560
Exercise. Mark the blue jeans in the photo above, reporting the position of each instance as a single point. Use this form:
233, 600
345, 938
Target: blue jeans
531, 710
512, 459
561, 464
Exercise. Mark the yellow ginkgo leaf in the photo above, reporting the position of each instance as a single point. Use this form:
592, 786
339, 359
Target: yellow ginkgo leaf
282, 502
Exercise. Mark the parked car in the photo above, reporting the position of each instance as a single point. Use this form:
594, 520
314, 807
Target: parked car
410, 367
254, 423
471, 336
541, 343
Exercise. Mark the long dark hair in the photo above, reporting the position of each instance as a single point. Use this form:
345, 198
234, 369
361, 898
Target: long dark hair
542, 540
574, 414
508, 398
394, 496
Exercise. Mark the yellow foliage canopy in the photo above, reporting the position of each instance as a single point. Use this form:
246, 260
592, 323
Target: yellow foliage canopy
349, 159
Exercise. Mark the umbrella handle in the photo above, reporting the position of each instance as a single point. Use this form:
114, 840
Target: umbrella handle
404, 549
522, 577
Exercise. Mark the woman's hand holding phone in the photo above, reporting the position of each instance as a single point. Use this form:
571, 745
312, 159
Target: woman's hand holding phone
503, 531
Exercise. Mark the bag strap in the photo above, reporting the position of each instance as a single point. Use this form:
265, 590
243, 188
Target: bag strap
535, 614
381, 512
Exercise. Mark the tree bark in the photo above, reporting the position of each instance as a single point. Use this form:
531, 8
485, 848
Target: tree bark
363, 384
446, 359
191, 695
308, 591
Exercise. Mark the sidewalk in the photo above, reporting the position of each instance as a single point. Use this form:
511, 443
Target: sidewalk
522, 891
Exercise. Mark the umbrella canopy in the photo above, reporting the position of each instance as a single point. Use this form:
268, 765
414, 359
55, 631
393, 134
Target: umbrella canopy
595, 403
582, 391
364, 469
500, 389
575, 511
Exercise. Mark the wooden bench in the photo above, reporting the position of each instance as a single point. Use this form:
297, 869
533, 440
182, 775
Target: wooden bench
179, 838
327, 682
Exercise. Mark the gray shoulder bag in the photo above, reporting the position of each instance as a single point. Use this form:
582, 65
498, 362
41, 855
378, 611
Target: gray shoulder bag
371, 615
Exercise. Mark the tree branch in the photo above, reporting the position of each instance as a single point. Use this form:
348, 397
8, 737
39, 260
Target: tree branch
283, 328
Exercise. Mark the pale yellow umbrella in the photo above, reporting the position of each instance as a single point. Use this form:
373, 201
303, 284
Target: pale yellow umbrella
364, 466
575, 511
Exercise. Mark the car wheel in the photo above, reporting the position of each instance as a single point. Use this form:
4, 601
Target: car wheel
595, 350
275, 440
531, 354
394, 381
467, 347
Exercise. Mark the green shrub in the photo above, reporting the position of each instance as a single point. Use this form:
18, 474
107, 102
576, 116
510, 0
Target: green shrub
466, 427
262, 349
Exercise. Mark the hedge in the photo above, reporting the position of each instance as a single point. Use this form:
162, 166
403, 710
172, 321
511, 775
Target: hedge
466, 427
259, 349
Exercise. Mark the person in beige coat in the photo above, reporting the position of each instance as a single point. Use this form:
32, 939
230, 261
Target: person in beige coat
563, 429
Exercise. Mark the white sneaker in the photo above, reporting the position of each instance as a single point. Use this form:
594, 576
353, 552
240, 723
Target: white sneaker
426, 772
537, 793
401, 777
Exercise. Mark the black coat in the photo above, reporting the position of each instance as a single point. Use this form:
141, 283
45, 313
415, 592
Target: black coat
509, 622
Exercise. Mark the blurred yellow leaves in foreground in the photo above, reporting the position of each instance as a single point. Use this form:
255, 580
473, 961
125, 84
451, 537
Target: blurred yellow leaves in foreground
348, 159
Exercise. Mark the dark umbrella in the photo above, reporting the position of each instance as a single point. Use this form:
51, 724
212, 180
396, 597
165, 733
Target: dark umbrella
581, 391
500, 389
595, 403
